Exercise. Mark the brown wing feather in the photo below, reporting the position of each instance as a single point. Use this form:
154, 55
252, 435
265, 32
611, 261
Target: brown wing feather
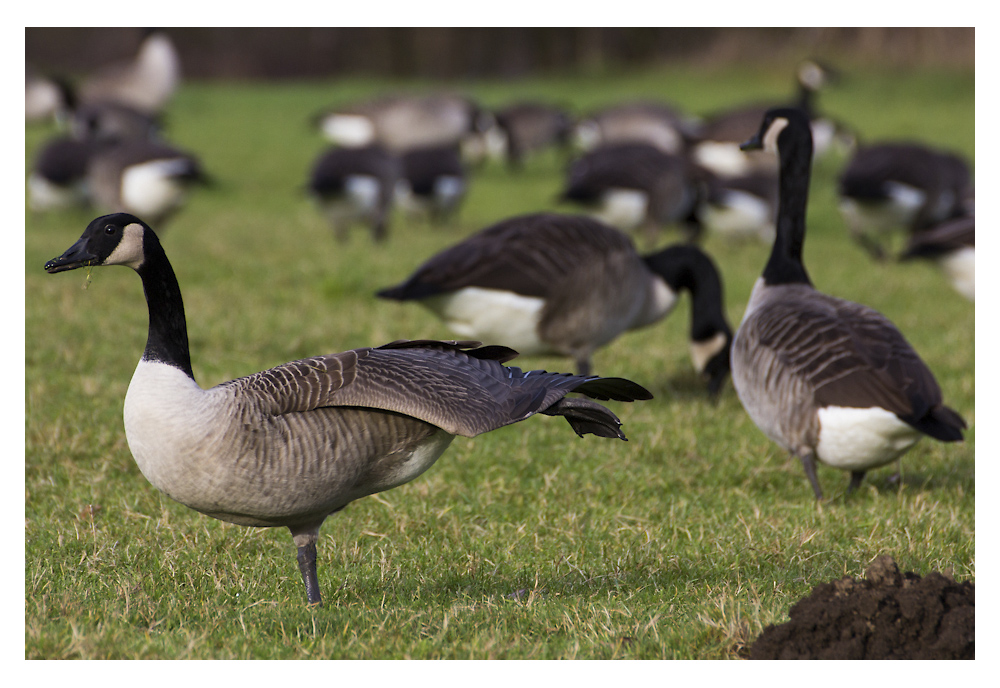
851, 355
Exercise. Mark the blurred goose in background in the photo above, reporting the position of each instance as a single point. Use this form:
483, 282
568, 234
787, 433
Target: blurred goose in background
827, 379
403, 123
740, 208
569, 285
720, 135
44, 96
894, 186
289, 446
58, 177
356, 185
141, 176
432, 182
952, 245
529, 127
633, 185
147, 82
112, 121
656, 124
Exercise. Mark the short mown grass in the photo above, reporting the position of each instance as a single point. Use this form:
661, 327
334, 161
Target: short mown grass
526, 543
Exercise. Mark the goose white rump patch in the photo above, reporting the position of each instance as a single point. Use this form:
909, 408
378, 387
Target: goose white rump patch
492, 316
862, 438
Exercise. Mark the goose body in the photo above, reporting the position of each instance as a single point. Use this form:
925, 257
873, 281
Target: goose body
356, 185
633, 185
432, 182
147, 82
893, 186
529, 127
403, 123
952, 245
740, 208
142, 176
293, 444
827, 379
655, 124
58, 178
568, 285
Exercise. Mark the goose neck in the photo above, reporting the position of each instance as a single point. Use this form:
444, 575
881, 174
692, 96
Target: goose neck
167, 341
785, 264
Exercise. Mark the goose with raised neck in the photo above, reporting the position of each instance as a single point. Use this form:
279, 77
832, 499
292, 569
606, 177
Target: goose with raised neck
825, 378
293, 444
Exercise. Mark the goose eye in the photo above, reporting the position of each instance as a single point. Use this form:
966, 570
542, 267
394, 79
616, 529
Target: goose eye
110, 229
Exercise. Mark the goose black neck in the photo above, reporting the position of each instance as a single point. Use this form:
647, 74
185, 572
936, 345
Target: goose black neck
168, 340
688, 268
795, 153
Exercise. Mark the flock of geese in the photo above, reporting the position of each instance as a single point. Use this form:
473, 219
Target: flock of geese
827, 379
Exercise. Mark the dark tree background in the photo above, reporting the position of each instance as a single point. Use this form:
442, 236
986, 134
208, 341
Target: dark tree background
465, 53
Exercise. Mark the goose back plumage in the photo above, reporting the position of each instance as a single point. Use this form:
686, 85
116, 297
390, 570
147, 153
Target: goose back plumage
579, 285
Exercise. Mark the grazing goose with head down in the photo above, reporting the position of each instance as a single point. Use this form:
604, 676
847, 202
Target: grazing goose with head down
825, 378
569, 285
291, 445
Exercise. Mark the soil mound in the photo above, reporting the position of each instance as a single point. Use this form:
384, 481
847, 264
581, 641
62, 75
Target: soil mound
888, 615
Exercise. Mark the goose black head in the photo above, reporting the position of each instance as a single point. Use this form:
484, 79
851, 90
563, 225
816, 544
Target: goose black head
777, 129
109, 240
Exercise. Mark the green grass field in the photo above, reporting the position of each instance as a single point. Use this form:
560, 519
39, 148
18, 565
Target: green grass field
525, 543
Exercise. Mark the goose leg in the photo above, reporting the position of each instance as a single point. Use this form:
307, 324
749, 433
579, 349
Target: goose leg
305, 538
856, 478
809, 464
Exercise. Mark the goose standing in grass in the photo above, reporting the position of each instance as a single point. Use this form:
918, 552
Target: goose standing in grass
890, 186
356, 185
529, 127
825, 378
739, 208
952, 245
404, 122
656, 124
142, 176
636, 185
432, 182
569, 285
58, 177
293, 444
147, 82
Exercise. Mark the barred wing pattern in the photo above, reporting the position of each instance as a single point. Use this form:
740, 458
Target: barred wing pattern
453, 385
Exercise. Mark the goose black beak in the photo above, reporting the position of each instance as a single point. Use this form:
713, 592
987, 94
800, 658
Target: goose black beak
753, 143
76, 256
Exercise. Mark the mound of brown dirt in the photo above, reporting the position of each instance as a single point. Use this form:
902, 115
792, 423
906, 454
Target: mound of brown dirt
888, 615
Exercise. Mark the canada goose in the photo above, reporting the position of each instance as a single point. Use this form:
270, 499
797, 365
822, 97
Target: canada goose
356, 185
402, 123
952, 244
58, 178
432, 182
142, 176
568, 285
900, 185
631, 185
293, 444
111, 121
656, 124
741, 207
717, 145
528, 127
826, 378
146, 82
